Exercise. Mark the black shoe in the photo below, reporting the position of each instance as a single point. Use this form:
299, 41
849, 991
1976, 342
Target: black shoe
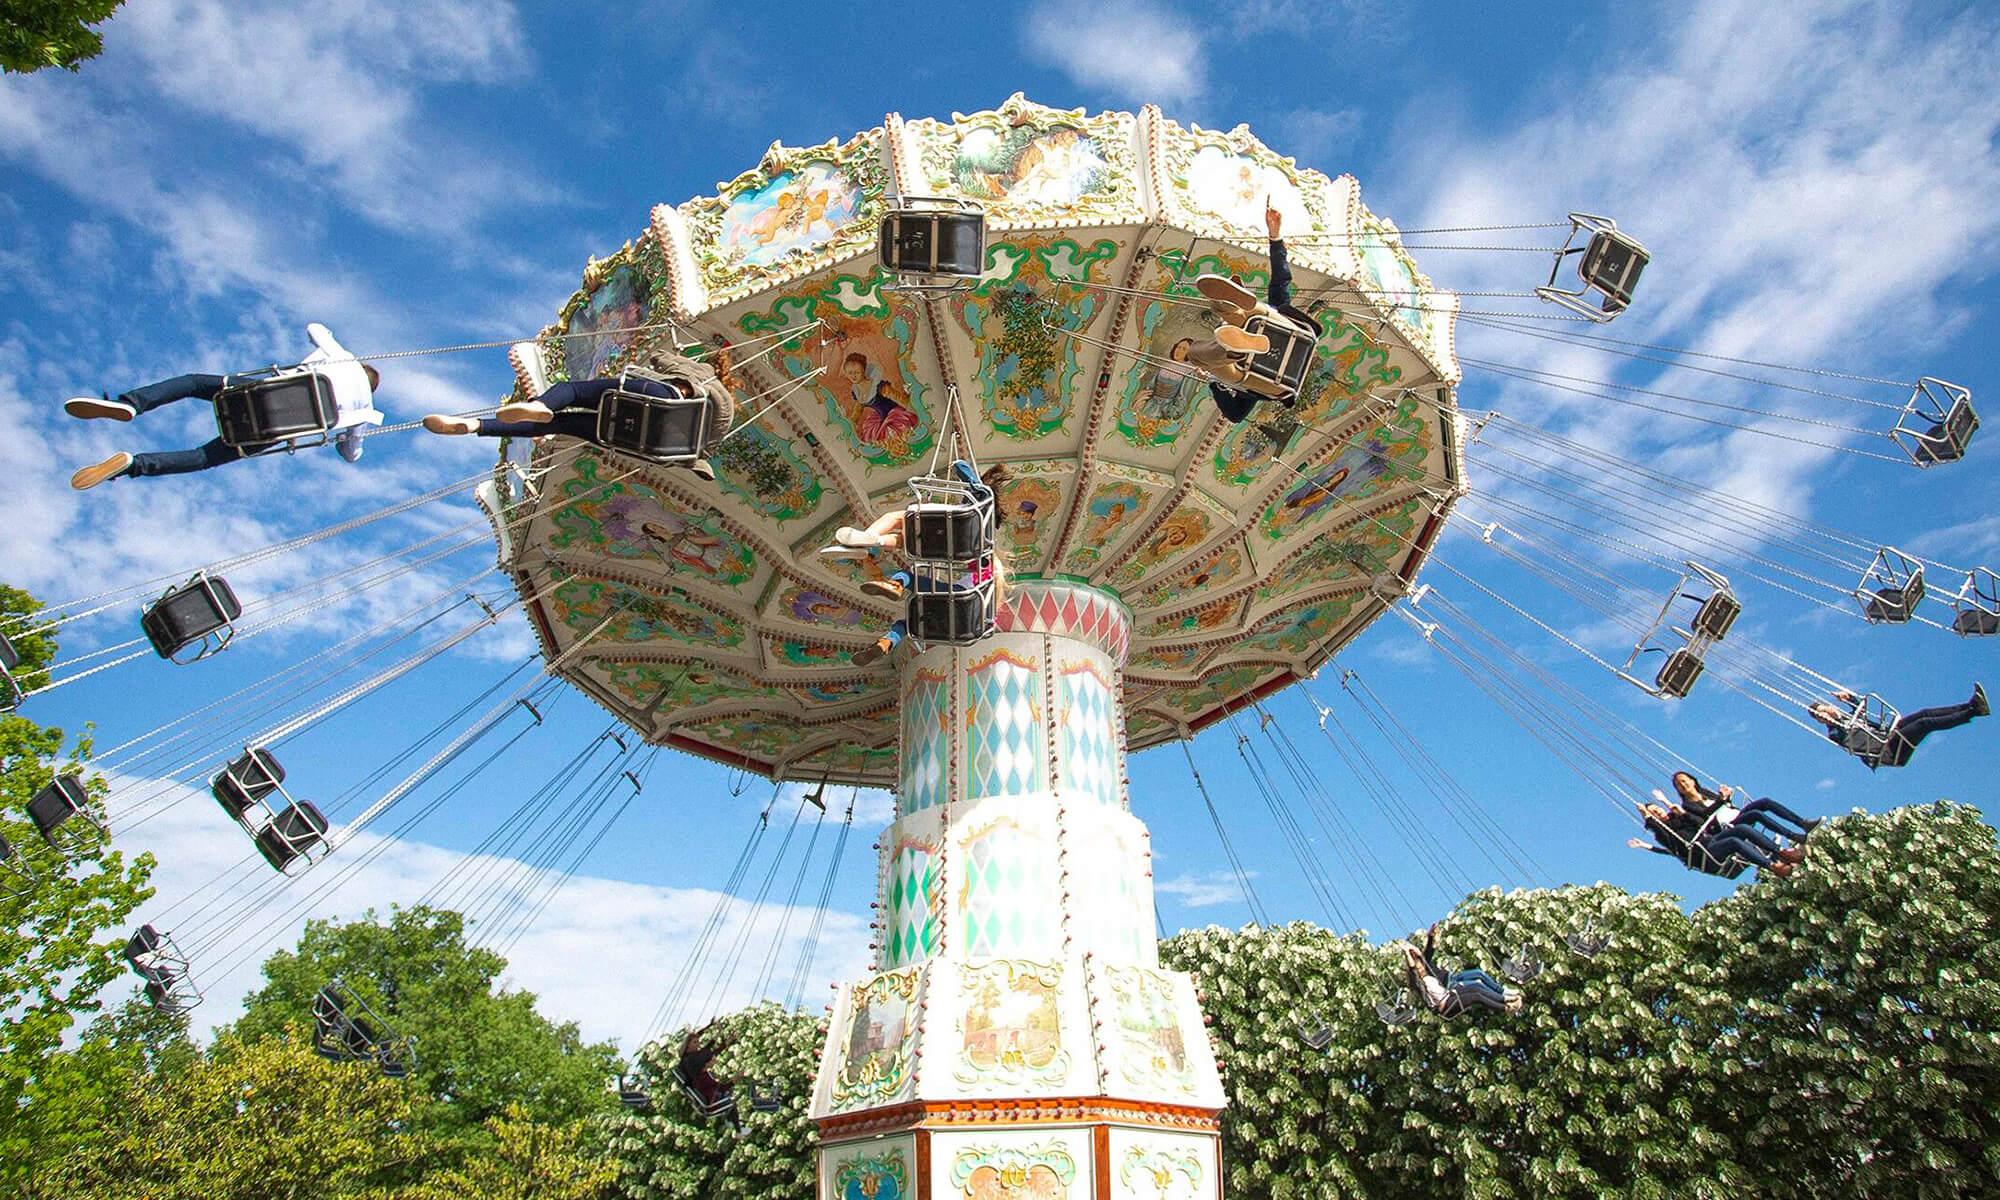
1980, 707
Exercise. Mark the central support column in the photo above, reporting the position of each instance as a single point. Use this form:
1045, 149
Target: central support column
1018, 1039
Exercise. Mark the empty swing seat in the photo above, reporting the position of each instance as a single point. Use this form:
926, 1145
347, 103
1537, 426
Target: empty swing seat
934, 236
1281, 370
1678, 674
155, 958
258, 415
949, 528
61, 812
199, 612
10, 660
668, 430
1716, 616
1937, 424
958, 617
246, 781
1975, 622
1610, 266
633, 1096
1893, 606
296, 835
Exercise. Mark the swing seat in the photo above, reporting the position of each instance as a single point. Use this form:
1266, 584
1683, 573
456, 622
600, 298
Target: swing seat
155, 958
926, 238
295, 837
958, 617
1280, 371
1716, 616
258, 416
1586, 944
1977, 604
1974, 622
1610, 266
672, 431
1522, 968
1891, 587
1395, 1014
632, 1095
948, 521
10, 661
397, 1060
199, 612
766, 1095
1318, 1037
246, 781
61, 813
1893, 606
709, 1095
1678, 674
1937, 424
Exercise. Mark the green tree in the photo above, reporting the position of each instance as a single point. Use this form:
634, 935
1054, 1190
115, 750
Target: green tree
263, 1121
529, 1161
35, 34
674, 1153
60, 932
479, 1049
1862, 1050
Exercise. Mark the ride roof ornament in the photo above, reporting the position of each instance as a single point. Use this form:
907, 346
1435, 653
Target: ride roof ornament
1611, 263
1937, 424
201, 612
933, 243
1891, 587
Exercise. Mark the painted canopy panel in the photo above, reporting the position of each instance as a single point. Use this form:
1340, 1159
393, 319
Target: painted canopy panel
712, 624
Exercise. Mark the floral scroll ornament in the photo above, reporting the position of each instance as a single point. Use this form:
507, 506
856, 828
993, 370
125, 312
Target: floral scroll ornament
1032, 1172
1156, 1168
876, 1177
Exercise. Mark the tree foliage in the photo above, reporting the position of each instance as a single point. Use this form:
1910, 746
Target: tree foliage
60, 932
529, 1161
36, 34
268, 1120
673, 1151
480, 1049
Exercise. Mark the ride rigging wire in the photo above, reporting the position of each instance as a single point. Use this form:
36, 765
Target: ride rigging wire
1516, 371
1345, 840
576, 862
514, 890
719, 987
764, 979
802, 970
1441, 782
679, 991
221, 913
1250, 897
263, 936
1294, 834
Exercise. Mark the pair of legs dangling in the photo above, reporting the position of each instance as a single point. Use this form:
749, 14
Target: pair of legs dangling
213, 453
1473, 986
1912, 728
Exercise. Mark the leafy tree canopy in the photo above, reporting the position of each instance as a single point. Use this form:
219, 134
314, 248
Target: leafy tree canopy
36, 34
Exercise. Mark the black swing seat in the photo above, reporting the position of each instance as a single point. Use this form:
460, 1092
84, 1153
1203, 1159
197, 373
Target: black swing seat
246, 781
1318, 1037
633, 1095
1937, 424
260, 415
927, 238
1676, 677
958, 617
948, 520
1280, 371
766, 1095
296, 837
1893, 606
1716, 616
1975, 622
1610, 266
162, 966
668, 430
1892, 587
1586, 944
710, 1096
10, 689
61, 813
199, 612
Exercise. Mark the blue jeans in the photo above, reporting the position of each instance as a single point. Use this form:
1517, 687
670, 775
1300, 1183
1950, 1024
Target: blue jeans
1473, 986
1912, 728
179, 462
1743, 844
1771, 815
575, 406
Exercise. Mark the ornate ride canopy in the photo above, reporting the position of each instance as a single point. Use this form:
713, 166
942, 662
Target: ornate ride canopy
1241, 571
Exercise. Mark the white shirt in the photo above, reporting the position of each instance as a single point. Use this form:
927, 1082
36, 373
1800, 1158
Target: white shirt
353, 399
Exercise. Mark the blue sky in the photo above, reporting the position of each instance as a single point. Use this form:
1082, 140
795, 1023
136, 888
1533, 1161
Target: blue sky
1816, 184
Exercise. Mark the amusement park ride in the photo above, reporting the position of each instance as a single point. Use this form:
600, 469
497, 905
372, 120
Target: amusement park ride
1014, 288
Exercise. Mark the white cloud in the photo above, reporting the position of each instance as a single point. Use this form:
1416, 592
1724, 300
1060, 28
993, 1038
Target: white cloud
603, 953
1825, 785
1131, 49
1203, 891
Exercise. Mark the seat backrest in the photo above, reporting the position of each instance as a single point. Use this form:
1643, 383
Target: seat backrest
261, 412
189, 612
663, 429
1716, 616
1612, 264
60, 799
933, 242
1678, 674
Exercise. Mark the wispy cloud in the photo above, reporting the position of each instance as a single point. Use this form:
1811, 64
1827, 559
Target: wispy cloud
1205, 890
1130, 49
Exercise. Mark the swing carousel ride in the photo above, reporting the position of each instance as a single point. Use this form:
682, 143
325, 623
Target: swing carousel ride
1018, 289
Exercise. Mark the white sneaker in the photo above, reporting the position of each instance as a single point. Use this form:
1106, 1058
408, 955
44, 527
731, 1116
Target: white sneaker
532, 411
440, 423
531, 366
91, 408
839, 552
848, 535
702, 470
